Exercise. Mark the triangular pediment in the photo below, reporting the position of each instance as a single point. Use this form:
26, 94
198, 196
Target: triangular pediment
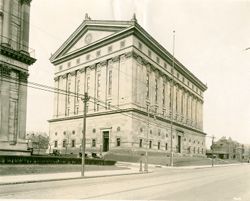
89, 37
89, 32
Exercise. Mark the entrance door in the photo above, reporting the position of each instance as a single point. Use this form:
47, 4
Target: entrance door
105, 141
179, 144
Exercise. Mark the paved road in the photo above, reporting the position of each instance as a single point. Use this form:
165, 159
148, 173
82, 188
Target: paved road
219, 183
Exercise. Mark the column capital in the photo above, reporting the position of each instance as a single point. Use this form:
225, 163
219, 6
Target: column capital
5, 70
64, 75
23, 76
103, 63
56, 78
116, 58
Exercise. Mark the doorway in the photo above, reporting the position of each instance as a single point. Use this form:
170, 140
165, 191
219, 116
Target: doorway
105, 141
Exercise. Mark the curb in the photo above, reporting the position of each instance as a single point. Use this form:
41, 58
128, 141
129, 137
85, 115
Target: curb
70, 178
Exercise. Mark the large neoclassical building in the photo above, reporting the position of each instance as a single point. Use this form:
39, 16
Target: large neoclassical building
127, 75
15, 58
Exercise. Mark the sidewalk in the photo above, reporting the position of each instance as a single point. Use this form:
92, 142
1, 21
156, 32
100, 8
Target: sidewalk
32, 178
133, 168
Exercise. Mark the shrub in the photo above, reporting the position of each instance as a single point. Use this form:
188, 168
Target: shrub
52, 160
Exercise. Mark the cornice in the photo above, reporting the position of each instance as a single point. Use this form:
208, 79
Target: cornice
125, 111
17, 55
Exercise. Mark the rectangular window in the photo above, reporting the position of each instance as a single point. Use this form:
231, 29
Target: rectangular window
170, 98
110, 82
64, 143
118, 142
55, 144
156, 90
176, 101
150, 144
163, 94
166, 146
98, 85
140, 143
73, 143
159, 145
88, 83
147, 86
182, 103
68, 93
77, 90
77, 110
93, 142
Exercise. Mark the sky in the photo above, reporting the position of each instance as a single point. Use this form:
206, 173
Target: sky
211, 38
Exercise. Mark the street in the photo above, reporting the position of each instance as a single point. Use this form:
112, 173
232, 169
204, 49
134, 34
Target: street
205, 184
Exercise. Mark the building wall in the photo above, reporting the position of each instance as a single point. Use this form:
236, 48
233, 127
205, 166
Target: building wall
14, 61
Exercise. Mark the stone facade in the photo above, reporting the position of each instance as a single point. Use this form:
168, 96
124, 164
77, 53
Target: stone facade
14, 61
128, 77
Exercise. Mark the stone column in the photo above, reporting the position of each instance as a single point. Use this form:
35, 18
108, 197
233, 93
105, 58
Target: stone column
73, 91
56, 95
115, 80
22, 104
25, 17
82, 77
5, 95
184, 105
6, 22
63, 97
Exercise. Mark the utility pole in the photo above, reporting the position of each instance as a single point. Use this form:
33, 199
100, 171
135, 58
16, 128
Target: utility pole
172, 105
85, 100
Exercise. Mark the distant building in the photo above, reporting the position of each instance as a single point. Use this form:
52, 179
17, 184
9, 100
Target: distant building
125, 72
227, 149
14, 62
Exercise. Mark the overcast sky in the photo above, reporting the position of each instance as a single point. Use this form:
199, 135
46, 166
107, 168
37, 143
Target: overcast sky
210, 40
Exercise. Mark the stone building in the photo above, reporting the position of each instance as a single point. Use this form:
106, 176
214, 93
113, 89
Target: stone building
126, 73
14, 62
227, 149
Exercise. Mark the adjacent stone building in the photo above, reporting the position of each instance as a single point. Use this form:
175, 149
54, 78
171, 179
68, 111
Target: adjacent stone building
15, 59
126, 73
227, 149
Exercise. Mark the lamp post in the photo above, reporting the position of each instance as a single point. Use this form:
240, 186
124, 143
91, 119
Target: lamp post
85, 100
